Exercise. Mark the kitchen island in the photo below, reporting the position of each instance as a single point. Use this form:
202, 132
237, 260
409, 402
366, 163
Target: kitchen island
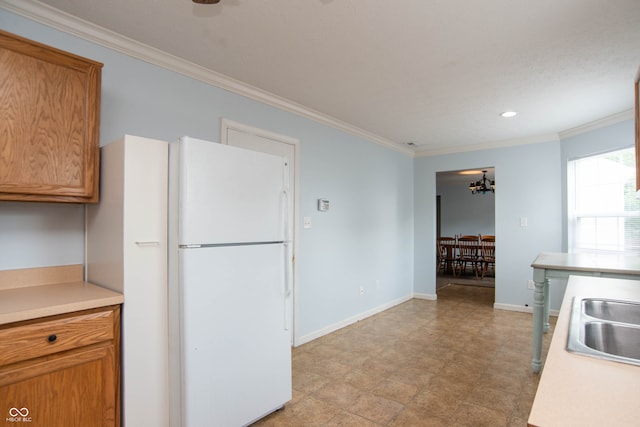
580, 390
562, 265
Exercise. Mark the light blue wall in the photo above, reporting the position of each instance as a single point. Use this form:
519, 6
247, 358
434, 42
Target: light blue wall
462, 212
531, 181
366, 239
515, 169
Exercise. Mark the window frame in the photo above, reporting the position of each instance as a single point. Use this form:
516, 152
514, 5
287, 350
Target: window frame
574, 216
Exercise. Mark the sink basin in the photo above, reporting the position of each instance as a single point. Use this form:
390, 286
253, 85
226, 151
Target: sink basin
613, 338
613, 310
605, 328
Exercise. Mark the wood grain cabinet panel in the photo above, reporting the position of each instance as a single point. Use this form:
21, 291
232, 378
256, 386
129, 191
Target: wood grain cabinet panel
74, 384
49, 123
46, 337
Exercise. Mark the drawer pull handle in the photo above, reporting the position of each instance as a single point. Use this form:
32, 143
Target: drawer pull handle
52, 338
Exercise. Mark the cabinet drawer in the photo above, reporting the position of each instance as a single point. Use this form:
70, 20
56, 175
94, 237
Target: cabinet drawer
24, 341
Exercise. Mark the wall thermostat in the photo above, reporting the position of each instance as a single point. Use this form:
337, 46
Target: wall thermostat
323, 205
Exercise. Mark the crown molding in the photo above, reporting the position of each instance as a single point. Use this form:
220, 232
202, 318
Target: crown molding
490, 145
587, 127
49, 16
597, 124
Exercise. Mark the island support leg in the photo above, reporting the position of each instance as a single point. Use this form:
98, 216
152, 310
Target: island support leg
538, 319
547, 304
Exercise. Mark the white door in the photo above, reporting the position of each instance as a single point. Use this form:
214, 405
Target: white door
240, 135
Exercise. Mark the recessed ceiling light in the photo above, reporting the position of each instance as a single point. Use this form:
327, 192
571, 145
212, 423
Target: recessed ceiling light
508, 114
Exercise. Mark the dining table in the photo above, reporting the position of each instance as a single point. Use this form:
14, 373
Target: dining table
554, 265
451, 254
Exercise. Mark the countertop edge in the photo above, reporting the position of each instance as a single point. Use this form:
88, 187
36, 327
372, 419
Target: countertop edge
579, 390
33, 302
623, 265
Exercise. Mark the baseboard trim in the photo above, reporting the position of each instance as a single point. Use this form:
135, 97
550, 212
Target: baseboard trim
430, 297
349, 321
521, 309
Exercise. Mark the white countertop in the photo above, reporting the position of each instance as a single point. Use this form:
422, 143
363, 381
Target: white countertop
48, 300
34, 293
588, 262
580, 390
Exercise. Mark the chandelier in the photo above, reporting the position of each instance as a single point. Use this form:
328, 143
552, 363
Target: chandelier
483, 185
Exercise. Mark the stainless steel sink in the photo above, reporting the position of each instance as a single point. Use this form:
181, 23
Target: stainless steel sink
605, 328
613, 310
613, 338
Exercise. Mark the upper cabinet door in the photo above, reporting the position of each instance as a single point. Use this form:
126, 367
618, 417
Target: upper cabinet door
49, 123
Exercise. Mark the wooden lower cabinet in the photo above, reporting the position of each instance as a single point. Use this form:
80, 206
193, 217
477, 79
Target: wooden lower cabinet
62, 370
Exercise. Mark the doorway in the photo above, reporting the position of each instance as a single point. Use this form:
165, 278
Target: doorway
459, 212
252, 138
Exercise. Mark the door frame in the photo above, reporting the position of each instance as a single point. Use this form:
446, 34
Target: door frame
225, 126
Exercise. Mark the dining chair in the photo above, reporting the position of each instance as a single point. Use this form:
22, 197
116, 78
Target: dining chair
468, 253
447, 256
488, 254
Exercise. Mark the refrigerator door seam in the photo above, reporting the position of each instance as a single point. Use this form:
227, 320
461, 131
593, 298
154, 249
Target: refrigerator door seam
225, 245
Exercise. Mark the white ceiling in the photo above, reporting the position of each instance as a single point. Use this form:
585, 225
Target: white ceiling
433, 72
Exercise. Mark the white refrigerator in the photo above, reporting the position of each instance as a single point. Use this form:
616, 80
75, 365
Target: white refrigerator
229, 270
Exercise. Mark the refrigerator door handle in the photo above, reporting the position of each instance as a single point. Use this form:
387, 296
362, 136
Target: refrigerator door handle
287, 255
287, 270
285, 216
287, 284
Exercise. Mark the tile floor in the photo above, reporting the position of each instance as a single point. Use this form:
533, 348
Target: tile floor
451, 362
443, 279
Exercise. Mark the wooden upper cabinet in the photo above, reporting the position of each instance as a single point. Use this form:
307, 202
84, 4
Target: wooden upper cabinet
49, 123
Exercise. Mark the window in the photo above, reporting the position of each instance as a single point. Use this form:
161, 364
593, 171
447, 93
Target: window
604, 213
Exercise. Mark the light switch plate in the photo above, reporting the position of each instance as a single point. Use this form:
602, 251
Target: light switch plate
306, 222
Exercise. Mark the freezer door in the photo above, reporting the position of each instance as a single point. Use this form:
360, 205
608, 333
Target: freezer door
236, 352
229, 194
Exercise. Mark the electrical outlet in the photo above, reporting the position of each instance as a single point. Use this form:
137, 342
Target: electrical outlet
531, 284
361, 290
